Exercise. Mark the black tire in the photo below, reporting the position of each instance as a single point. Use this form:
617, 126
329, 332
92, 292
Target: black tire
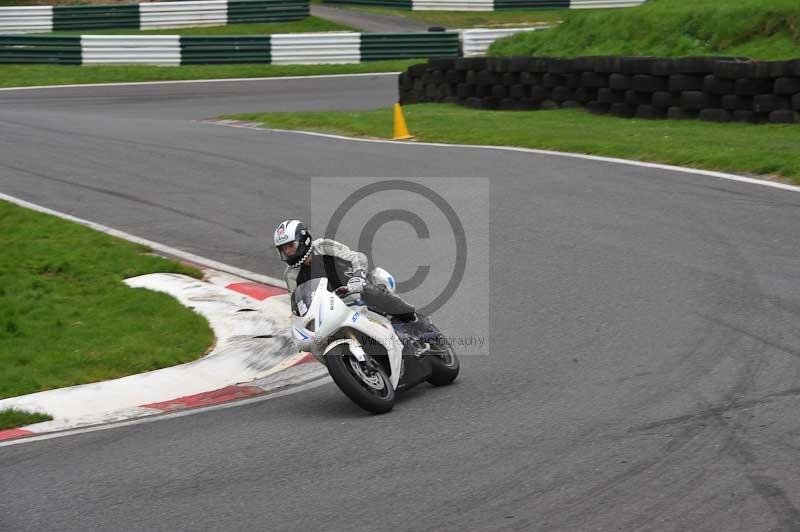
465, 91
715, 115
562, 94
766, 103
470, 63
550, 80
499, 92
733, 102
634, 98
752, 87
610, 96
342, 368
598, 108
716, 85
783, 116
517, 92
676, 113
593, 80
648, 112
519, 64
585, 95
663, 99
530, 78
454, 77
637, 65
696, 100
540, 93
787, 86
623, 110
444, 366
686, 82
619, 82
649, 84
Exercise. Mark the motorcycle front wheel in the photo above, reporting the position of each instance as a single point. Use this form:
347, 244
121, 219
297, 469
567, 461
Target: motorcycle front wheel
368, 387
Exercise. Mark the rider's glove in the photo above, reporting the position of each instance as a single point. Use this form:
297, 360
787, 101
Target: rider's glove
356, 284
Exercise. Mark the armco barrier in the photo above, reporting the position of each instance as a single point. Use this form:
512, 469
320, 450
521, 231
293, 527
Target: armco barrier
155, 15
315, 48
149, 15
713, 89
281, 49
476, 42
491, 5
266, 10
531, 4
377, 46
201, 50
95, 17
35, 19
453, 5
46, 50
125, 49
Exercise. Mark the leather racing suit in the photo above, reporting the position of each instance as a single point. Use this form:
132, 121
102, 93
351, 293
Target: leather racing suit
337, 262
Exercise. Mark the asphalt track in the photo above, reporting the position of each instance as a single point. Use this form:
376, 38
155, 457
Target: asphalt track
365, 21
645, 363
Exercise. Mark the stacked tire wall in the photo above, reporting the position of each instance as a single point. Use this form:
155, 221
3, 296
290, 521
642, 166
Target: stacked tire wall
706, 88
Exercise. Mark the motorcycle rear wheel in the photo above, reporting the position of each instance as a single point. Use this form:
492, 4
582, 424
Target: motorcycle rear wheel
444, 366
370, 389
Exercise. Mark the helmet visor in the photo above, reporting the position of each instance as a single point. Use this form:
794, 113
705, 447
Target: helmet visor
287, 251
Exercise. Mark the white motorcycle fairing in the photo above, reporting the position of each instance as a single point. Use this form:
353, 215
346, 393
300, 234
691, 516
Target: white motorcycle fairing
327, 314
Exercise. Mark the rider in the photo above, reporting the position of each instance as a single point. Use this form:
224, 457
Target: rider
308, 259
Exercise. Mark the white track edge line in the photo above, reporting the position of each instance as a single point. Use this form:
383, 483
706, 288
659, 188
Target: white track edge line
598, 158
184, 81
149, 243
159, 417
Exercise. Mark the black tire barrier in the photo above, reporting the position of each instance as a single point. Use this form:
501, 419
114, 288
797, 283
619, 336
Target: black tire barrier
715, 115
650, 112
717, 89
686, 82
715, 85
787, 86
665, 100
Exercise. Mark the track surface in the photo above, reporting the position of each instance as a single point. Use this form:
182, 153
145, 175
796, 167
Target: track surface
645, 351
365, 21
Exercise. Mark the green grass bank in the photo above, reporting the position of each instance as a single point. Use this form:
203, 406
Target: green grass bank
11, 418
67, 318
671, 28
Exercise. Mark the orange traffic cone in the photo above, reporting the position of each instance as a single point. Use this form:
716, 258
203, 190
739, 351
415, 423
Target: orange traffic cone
400, 127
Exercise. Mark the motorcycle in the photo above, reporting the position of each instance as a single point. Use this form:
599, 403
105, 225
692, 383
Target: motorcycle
370, 357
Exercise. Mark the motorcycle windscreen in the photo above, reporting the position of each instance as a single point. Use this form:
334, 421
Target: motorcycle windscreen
304, 294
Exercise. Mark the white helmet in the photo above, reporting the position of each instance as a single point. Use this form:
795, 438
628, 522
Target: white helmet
293, 231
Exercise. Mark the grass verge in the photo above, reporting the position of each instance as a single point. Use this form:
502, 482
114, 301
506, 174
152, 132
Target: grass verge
306, 25
11, 418
468, 19
768, 150
37, 75
66, 317
750, 28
